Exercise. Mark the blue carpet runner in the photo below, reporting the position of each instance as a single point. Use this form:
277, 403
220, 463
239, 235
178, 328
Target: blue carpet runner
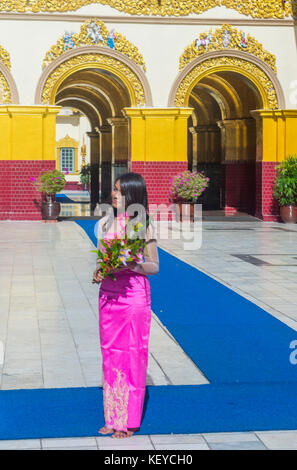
242, 350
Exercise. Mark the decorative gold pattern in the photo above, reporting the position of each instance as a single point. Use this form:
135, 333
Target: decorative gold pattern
121, 44
115, 401
5, 57
4, 91
67, 141
5, 94
223, 38
263, 8
98, 60
254, 8
242, 66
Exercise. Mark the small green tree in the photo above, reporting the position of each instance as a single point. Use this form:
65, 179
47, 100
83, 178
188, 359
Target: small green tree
50, 182
85, 174
285, 185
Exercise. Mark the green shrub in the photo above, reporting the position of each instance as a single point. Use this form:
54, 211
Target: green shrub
285, 185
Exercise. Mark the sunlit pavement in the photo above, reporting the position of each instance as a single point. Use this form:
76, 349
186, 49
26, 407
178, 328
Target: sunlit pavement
49, 316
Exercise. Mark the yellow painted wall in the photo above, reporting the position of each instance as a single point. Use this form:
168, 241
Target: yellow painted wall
158, 134
276, 134
28, 132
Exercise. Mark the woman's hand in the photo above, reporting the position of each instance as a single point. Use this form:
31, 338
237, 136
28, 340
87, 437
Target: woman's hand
130, 264
97, 276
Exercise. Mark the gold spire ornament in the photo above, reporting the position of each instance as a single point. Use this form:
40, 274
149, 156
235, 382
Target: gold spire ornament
83, 152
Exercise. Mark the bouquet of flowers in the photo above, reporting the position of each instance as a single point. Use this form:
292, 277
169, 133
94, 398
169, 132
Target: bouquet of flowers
120, 251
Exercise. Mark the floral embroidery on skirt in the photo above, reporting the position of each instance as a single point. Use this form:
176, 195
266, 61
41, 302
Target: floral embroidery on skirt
115, 400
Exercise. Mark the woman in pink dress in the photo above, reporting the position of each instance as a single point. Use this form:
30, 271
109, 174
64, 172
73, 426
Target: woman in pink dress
125, 316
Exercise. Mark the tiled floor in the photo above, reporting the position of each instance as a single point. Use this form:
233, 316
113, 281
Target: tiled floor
49, 316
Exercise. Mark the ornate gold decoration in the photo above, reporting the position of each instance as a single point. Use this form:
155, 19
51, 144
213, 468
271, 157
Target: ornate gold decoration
121, 44
5, 94
98, 60
83, 152
67, 141
5, 57
115, 401
254, 8
263, 8
242, 66
223, 38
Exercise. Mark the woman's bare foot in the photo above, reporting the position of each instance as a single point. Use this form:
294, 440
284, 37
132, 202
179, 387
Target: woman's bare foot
121, 434
105, 430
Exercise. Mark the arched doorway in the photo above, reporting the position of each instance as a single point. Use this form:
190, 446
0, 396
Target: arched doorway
224, 139
100, 84
224, 87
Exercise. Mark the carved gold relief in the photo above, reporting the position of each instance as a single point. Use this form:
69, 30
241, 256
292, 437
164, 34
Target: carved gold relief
240, 65
254, 8
67, 141
5, 94
4, 57
98, 60
263, 8
101, 37
222, 38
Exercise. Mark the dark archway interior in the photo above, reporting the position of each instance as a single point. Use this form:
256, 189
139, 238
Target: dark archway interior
100, 96
222, 135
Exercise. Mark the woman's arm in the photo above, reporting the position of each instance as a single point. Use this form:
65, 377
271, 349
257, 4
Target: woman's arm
151, 257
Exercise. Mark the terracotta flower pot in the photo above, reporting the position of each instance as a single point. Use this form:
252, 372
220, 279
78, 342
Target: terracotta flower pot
50, 208
288, 214
186, 211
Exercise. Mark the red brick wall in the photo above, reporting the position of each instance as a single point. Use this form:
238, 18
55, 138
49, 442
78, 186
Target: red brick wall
19, 200
157, 176
239, 187
73, 186
267, 207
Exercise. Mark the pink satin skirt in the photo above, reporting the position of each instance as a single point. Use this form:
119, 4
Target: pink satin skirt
124, 327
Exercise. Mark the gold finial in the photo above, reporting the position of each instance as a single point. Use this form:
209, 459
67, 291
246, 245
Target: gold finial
83, 152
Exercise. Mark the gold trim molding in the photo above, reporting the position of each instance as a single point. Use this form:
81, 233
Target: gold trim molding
155, 20
94, 32
223, 63
253, 8
93, 60
224, 38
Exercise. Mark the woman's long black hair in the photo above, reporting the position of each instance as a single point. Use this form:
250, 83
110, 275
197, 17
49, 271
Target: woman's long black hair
133, 189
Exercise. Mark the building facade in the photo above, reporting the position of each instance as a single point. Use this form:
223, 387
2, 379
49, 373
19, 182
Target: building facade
154, 87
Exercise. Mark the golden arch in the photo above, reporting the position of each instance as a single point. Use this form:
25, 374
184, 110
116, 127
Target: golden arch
8, 89
265, 81
92, 57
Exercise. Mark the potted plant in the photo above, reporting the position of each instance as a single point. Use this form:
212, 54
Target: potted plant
49, 183
85, 176
186, 187
285, 189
